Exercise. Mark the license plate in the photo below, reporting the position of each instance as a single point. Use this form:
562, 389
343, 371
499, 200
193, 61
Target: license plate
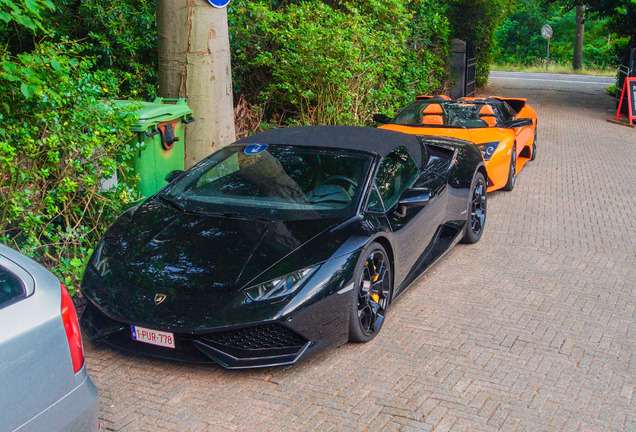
154, 337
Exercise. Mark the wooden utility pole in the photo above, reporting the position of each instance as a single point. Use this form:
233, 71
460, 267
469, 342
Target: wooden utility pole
194, 62
579, 30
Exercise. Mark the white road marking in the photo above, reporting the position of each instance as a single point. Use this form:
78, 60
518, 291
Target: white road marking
547, 80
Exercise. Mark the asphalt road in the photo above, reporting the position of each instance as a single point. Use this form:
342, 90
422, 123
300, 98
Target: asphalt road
531, 329
551, 79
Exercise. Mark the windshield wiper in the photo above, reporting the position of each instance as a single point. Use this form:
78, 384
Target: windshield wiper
171, 201
242, 216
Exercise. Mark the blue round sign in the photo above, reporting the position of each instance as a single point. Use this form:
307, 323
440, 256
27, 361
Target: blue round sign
219, 3
253, 149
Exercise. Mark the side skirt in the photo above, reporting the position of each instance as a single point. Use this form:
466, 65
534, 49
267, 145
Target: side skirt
446, 237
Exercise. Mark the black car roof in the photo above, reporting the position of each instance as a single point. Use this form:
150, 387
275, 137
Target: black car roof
378, 141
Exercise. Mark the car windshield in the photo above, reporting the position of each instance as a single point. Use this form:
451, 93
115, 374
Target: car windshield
274, 181
457, 114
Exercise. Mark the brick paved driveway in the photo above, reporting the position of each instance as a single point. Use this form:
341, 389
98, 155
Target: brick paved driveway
531, 329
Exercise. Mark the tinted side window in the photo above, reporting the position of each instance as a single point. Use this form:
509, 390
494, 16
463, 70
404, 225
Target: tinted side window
396, 173
375, 203
10, 287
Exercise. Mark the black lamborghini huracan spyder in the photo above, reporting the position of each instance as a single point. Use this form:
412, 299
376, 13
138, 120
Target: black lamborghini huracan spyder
282, 244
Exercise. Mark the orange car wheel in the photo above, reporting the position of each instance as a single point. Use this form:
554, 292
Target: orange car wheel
512, 173
534, 145
477, 205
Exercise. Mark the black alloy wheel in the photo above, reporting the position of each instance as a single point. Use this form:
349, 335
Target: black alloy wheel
371, 294
476, 220
534, 146
512, 174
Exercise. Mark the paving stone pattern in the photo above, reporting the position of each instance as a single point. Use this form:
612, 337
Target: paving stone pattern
531, 329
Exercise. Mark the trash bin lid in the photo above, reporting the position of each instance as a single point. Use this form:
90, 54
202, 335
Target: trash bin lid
150, 114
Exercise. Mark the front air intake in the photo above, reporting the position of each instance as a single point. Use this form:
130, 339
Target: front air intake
268, 336
256, 346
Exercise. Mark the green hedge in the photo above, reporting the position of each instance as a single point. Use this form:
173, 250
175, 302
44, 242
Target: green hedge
336, 62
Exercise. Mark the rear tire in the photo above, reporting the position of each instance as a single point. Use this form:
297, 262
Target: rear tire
512, 172
373, 285
477, 204
534, 146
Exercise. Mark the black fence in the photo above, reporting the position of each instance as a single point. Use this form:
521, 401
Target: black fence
471, 69
464, 64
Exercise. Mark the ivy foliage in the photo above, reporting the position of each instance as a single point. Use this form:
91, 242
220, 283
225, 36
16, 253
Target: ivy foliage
58, 142
337, 62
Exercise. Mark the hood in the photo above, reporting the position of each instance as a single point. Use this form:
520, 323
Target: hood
201, 253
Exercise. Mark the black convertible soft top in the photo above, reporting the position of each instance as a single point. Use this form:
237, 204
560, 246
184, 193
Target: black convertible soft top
372, 140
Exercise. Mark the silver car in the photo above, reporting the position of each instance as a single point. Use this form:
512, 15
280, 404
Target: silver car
44, 385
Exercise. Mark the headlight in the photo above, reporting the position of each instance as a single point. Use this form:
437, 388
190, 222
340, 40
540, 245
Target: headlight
278, 287
488, 149
100, 260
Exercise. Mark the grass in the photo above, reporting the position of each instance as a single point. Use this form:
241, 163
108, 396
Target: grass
560, 68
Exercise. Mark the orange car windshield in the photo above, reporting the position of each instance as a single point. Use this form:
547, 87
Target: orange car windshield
454, 114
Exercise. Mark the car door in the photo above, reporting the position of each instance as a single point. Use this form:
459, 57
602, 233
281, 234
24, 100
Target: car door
524, 135
414, 227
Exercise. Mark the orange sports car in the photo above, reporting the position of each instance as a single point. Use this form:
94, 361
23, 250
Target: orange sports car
504, 129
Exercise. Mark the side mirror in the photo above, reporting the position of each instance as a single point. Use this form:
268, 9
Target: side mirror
520, 122
381, 118
415, 197
173, 175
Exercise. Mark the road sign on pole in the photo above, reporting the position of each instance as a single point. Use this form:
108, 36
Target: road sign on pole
546, 32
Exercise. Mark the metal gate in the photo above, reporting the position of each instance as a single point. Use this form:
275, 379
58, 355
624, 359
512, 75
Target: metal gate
464, 65
471, 69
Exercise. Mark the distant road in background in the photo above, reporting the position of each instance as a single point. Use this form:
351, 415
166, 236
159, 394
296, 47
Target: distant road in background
554, 78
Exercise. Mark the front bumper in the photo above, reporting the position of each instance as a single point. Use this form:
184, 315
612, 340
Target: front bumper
260, 345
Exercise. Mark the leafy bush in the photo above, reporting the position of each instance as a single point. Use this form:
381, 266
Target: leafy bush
58, 141
120, 35
336, 62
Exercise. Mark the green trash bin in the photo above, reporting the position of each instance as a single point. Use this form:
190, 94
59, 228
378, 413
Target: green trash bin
160, 128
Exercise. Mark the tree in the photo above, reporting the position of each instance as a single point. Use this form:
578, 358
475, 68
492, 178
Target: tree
194, 62
579, 35
621, 14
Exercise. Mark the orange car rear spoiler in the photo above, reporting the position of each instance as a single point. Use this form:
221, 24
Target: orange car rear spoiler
424, 97
515, 103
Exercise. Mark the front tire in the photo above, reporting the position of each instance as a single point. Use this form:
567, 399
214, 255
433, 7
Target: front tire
477, 204
373, 284
512, 172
